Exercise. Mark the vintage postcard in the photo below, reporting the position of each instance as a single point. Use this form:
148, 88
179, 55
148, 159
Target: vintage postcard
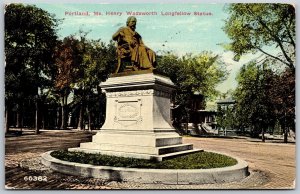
150, 96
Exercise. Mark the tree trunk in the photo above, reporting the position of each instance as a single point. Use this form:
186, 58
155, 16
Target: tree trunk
43, 120
64, 112
36, 71
90, 119
285, 140
263, 135
37, 130
63, 123
21, 117
57, 120
80, 120
6, 120
18, 116
22, 121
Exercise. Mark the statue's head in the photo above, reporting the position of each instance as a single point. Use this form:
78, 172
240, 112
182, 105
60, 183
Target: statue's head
131, 22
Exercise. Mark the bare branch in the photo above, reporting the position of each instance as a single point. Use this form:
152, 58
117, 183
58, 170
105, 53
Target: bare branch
272, 56
277, 40
290, 36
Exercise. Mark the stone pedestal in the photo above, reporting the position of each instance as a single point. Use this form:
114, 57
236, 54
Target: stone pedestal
137, 120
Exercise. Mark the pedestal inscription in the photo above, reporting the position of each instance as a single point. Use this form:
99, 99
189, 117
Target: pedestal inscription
128, 113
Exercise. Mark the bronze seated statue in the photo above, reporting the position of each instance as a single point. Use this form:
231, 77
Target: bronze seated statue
132, 54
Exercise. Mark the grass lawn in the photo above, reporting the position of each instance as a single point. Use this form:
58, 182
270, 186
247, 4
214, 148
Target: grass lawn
200, 160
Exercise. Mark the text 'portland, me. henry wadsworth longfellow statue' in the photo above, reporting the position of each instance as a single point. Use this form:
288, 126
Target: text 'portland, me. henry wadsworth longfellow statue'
131, 51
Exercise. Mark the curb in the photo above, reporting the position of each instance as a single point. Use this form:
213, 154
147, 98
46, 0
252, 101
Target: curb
165, 176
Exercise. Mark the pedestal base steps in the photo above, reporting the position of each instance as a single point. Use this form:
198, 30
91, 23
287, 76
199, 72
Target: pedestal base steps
144, 146
138, 123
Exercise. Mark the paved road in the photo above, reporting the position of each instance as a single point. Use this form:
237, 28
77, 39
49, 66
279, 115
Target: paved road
272, 165
277, 160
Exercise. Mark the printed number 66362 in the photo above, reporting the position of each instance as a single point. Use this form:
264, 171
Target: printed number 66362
35, 178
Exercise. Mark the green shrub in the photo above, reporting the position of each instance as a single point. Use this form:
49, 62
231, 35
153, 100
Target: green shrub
199, 160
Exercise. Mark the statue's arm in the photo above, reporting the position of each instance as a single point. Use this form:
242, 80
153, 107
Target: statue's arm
139, 38
116, 35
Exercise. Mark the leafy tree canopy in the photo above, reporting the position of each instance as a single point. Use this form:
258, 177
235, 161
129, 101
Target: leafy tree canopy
194, 73
251, 27
30, 40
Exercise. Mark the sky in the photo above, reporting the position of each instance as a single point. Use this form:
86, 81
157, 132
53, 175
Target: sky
160, 30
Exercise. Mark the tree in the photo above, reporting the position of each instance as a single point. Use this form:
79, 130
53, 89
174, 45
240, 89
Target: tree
226, 117
18, 91
271, 95
192, 74
69, 57
254, 27
265, 99
97, 64
82, 65
255, 108
30, 39
282, 93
